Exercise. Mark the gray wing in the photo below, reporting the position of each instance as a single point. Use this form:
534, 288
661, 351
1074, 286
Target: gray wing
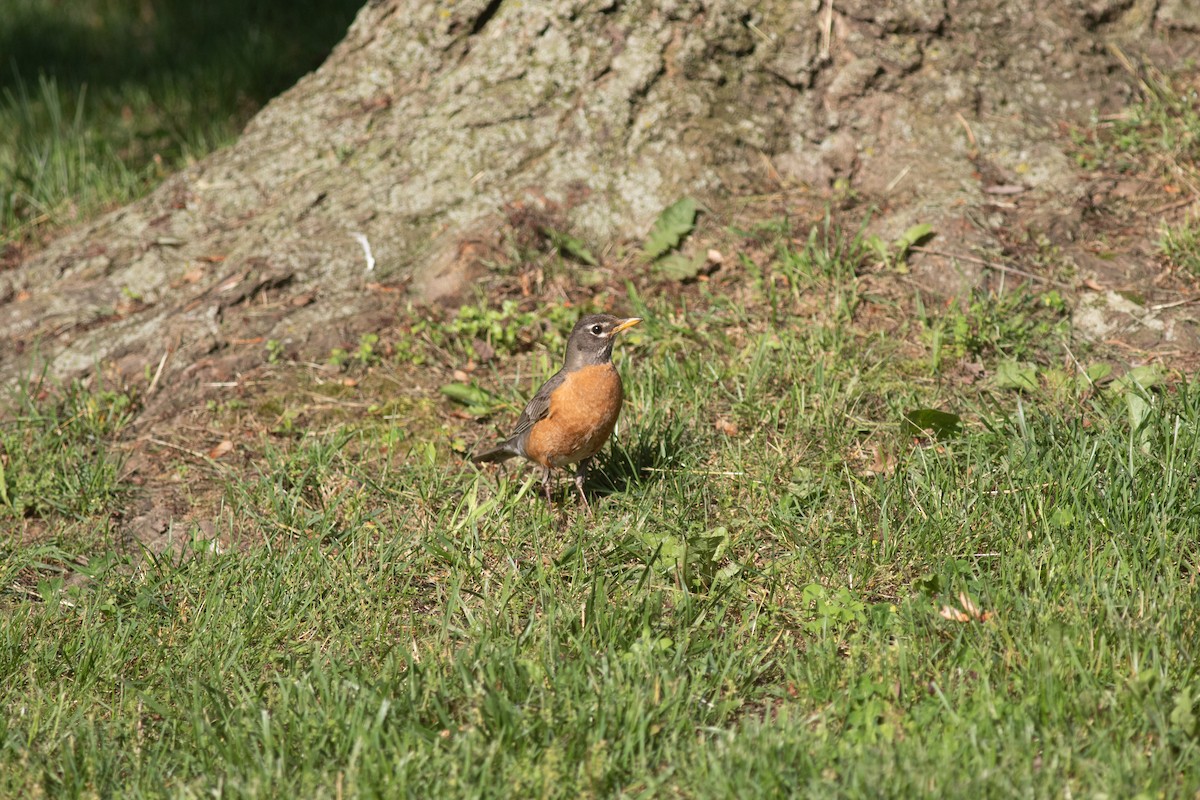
537, 408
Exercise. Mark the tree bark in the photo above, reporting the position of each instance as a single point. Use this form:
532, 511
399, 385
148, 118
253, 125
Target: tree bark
430, 119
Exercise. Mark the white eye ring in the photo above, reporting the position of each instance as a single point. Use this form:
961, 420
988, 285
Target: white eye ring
596, 329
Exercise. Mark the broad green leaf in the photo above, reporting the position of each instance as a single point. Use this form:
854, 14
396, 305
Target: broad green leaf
1019, 375
1183, 715
1134, 386
675, 222
1062, 516
1092, 375
1146, 376
679, 267
914, 235
878, 246
1139, 410
942, 424
570, 246
479, 402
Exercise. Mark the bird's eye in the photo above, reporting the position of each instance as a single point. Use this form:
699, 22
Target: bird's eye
596, 330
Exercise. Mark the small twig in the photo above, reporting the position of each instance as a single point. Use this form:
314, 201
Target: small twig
333, 402
158, 373
896, 180
361, 238
1176, 304
696, 472
967, 127
1079, 366
757, 31
826, 31
193, 453
1183, 201
991, 265
1143, 351
1020, 489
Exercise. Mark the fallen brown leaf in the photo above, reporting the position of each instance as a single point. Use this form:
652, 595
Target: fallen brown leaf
221, 449
484, 350
882, 462
968, 611
953, 614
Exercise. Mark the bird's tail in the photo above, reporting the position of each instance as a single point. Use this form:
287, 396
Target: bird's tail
502, 452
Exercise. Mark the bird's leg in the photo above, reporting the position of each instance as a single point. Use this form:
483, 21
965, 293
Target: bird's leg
580, 474
546, 485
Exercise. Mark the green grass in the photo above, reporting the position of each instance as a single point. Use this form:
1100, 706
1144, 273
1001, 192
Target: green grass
1160, 132
1179, 245
782, 590
54, 457
757, 613
100, 99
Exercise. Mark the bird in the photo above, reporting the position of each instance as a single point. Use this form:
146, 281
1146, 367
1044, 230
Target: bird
572, 415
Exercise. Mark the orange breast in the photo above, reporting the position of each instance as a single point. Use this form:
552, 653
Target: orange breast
583, 412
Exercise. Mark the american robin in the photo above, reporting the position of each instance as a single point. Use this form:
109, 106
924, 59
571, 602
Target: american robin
573, 414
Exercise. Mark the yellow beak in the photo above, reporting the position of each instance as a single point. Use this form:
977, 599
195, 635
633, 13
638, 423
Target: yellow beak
625, 324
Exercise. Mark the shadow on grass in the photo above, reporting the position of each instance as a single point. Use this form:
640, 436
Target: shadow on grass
259, 48
642, 460
100, 99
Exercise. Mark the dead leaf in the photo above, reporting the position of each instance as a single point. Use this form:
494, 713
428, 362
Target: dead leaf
1092, 285
715, 257
968, 611
300, 300
22, 296
953, 614
882, 462
349, 382
968, 605
230, 283
192, 275
726, 427
972, 372
1004, 188
484, 350
221, 449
